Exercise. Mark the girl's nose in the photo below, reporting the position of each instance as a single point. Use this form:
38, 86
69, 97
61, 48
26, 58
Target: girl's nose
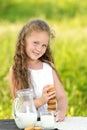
39, 48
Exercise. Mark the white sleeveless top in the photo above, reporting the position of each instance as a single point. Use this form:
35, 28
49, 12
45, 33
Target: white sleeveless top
41, 78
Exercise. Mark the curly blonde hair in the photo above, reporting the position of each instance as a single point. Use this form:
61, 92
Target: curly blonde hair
20, 70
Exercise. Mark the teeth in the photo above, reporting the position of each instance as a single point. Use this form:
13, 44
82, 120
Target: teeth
36, 53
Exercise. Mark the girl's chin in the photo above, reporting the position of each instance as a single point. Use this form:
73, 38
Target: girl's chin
34, 59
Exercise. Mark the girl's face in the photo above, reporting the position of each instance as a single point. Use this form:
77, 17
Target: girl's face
36, 44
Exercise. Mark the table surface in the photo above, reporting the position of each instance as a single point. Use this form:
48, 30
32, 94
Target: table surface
70, 123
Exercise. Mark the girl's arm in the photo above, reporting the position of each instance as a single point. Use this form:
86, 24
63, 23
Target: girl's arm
61, 98
11, 83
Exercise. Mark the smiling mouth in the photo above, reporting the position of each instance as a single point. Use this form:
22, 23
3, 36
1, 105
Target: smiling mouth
36, 54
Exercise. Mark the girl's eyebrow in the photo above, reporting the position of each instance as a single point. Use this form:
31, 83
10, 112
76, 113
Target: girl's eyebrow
40, 42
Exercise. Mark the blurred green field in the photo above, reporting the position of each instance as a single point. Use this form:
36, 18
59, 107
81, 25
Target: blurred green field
69, 21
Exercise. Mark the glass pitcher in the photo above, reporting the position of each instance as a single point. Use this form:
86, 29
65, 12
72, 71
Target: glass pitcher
24, 111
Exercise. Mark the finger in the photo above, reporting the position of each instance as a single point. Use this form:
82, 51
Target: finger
58, 117
52, 96
45, 89
51, 93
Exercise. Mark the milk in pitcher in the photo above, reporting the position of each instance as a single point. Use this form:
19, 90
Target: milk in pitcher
25, 119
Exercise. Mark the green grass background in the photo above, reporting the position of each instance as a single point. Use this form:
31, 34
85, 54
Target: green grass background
69, 20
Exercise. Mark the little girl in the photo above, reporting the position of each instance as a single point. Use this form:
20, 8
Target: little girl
34, 67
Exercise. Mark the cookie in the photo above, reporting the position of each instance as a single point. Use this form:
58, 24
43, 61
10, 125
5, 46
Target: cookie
52, 102
29, 128
51, 89
37, 128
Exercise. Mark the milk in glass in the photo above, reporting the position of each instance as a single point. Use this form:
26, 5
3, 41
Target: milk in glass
47, 121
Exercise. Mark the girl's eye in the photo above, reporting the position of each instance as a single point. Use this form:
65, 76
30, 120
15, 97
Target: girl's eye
44, 45
35, 42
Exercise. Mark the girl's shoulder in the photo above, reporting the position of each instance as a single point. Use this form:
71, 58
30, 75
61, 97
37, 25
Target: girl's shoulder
11, 72
47, 65
11, 69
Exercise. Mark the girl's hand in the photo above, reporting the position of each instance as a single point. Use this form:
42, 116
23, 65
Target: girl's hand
46, 96
59, 116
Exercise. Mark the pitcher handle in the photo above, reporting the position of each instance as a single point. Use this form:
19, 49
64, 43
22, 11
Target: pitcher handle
14, 107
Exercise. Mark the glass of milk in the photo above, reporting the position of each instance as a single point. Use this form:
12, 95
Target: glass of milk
47, 119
